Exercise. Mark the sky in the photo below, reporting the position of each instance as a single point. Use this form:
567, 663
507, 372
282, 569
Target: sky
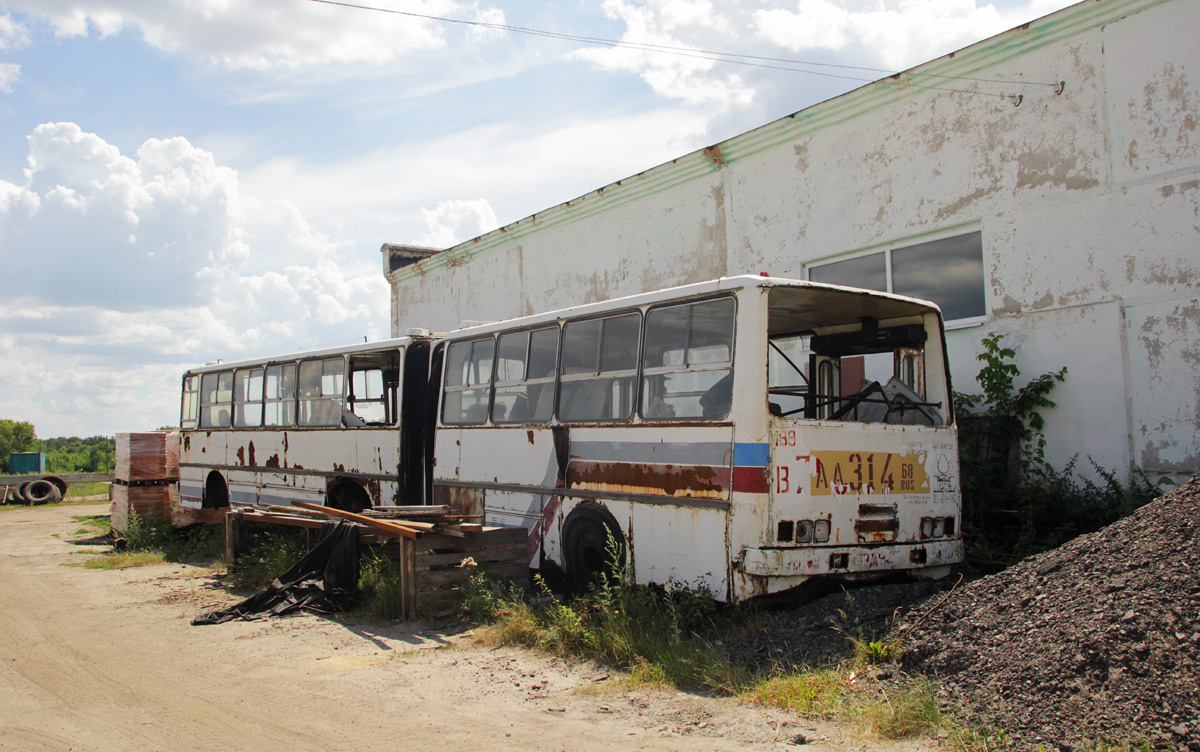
183, 181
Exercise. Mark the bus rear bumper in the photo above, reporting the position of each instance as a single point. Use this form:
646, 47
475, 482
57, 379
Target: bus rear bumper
816, 561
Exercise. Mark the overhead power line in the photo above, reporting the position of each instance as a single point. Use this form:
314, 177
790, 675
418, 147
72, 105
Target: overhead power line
755, 61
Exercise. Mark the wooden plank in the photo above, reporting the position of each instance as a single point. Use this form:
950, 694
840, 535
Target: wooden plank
430, 561
294, 510
231, 538
283, 519
435, 511
408, 578
386, 527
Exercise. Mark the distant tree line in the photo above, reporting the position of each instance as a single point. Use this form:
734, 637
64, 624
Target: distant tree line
67, 454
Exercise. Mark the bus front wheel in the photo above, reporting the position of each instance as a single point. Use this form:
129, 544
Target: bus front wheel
593, 545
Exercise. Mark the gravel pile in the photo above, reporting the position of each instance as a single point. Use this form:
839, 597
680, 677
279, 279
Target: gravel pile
1096, 640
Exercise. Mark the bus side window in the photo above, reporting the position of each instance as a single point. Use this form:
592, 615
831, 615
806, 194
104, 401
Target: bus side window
248, 398
688, 361
468, 380
216, 400
525, 363
279, 400
321, 392
599, 365
189, 416
371, 399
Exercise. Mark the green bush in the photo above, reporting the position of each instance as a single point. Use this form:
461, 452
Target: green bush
275, 553
380, 592
1014, 503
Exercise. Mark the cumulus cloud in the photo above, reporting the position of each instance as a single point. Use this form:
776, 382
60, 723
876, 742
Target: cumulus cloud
455, 221
894, 34
887, 35
13, 34
133, 268
263, 36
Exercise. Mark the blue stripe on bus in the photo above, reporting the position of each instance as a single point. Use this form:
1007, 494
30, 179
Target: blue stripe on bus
751, 455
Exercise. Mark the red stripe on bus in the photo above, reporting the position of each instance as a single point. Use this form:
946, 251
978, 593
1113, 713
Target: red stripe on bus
751, 480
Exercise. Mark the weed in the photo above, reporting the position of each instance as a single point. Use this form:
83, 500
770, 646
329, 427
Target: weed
380, 592
913, 711
982, 739
274, 555
124, 560
817, 693
655, 632
1014, 503
874, 652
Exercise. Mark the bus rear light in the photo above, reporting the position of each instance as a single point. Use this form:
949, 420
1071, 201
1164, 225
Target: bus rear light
785, 531
937, 527
804, 531
821, 531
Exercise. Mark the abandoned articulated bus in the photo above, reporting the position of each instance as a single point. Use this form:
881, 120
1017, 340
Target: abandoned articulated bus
743, 435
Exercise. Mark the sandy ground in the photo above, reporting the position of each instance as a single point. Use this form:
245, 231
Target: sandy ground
108, 660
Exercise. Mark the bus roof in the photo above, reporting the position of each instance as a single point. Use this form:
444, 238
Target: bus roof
383, 344
886, 305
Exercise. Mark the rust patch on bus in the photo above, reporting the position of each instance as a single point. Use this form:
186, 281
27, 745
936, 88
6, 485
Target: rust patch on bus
464, 501
371, 485
241, 456
250, 446
864, 509
693, 481
864, 527
273, 461
529, 435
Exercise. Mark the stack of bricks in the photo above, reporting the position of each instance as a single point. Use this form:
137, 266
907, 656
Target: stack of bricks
144, 479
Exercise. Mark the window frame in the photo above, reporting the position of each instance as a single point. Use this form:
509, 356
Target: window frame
887, 249
216, 403
635, 373
727, 366
526, 380
469, 386
339, 400
239, 405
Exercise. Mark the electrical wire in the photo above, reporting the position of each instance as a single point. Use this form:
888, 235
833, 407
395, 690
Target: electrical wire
754, 61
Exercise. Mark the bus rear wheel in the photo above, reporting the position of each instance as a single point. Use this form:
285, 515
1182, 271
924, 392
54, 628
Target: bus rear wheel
348, 497
593, 546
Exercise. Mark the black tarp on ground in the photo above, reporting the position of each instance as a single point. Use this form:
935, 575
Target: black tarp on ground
325, 579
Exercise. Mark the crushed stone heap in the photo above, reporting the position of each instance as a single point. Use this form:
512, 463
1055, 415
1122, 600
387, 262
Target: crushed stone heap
1098, 640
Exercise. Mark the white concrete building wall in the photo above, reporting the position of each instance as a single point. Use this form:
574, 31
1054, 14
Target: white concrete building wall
1088, 205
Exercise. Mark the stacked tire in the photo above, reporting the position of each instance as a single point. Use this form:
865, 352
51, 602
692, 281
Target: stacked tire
39, 491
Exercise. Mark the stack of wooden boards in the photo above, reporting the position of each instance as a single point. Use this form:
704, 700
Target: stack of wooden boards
436, 551
145, 476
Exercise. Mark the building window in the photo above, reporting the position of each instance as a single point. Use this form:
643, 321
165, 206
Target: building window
948, 271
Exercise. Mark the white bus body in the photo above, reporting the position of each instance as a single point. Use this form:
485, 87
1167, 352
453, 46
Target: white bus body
339, 426
833, 452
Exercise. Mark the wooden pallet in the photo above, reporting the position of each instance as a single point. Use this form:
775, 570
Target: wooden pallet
436, 555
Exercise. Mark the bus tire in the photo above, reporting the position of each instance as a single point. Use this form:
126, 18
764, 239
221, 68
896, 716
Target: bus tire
42, 492
348, 496
587, 553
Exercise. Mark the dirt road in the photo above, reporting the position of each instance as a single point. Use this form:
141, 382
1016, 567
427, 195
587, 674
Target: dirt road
104, 660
